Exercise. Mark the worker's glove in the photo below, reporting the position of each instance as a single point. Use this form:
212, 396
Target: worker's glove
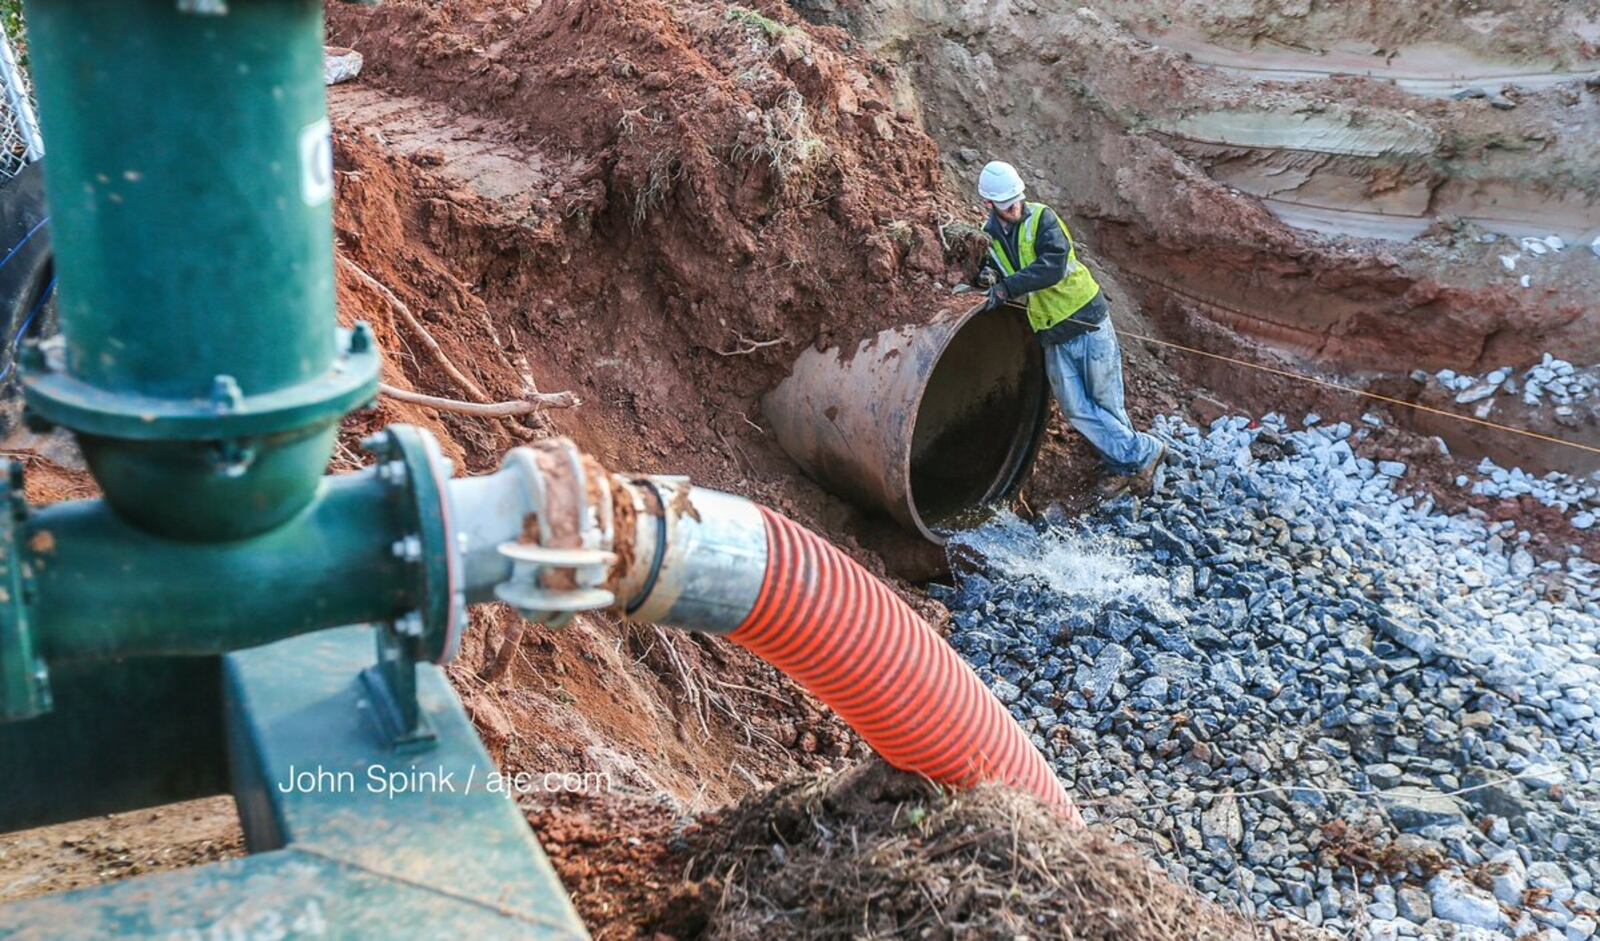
986, 277
996, 298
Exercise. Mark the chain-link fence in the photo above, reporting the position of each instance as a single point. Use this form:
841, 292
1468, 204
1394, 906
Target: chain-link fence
19, 128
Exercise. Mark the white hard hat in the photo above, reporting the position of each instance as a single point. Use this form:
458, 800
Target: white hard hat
1000, 183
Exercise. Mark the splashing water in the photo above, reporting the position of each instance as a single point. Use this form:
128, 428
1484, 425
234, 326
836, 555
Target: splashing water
1092, 569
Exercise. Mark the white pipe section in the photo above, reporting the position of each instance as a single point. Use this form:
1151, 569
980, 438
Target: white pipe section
683, 556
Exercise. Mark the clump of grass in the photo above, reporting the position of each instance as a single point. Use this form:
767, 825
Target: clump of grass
788, 145
752, 77
902, 232
632, 120
958, 231
664, 172
11, 19
769, 27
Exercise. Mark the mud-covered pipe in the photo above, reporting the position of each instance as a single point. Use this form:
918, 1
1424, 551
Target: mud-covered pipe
920, 422
692, 558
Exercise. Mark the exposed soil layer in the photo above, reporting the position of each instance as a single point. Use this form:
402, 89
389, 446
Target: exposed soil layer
729, 181
1367, 247
1513, 33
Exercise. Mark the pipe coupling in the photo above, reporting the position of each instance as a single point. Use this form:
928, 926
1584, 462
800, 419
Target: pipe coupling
553, 533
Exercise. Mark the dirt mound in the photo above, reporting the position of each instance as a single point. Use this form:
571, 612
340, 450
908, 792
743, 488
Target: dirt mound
722, 182
875, 853
655, 206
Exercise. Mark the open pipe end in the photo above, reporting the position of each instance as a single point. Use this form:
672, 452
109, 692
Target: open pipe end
924, 422
978, 423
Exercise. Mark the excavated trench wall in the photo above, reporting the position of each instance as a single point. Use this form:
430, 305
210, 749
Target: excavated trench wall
1349, 223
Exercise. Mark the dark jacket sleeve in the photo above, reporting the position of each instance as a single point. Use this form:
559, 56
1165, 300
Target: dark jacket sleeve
1049, 264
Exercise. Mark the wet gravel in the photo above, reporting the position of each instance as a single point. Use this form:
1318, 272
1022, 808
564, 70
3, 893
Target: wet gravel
1306, 690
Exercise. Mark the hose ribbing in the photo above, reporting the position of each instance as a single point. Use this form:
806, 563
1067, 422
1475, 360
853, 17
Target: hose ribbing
841, 633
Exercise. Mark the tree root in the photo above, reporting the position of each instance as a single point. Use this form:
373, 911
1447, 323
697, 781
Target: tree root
530, 405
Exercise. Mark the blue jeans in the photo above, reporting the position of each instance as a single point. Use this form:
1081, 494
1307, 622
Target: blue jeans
1086, 376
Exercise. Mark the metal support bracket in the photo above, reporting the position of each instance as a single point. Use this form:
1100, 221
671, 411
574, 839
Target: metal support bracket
414, 471
391, 690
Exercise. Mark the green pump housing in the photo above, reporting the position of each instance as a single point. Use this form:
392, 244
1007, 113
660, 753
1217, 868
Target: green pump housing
228, 616
190, 182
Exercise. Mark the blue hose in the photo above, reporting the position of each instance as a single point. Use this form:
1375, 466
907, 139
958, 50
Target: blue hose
18, 247
49, 289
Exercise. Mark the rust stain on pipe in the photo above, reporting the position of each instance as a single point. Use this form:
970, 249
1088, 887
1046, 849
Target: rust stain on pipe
920, 422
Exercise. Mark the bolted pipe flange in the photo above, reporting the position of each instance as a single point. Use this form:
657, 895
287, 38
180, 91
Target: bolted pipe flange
414, 472
408, 548
222, 411
409, 624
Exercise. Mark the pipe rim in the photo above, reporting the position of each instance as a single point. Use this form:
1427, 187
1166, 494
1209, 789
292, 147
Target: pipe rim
1014, 471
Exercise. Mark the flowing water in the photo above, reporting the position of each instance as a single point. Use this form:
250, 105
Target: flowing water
1087, 569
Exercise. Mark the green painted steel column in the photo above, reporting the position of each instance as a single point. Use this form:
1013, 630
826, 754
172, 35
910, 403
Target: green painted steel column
190, 182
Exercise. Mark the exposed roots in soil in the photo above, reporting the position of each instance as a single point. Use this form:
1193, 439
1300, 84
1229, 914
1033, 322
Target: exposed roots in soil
872, 853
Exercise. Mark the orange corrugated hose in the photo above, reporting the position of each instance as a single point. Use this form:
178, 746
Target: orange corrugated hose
825, 621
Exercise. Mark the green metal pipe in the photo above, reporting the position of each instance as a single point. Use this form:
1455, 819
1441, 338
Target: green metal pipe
190, 185
105, 589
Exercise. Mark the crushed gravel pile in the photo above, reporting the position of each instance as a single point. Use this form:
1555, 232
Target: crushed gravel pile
1307, 691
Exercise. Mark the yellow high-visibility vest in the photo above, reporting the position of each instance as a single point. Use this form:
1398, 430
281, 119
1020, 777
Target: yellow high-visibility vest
1047, 306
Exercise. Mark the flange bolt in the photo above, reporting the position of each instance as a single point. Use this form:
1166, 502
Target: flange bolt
226, 396
408, 549
361, 338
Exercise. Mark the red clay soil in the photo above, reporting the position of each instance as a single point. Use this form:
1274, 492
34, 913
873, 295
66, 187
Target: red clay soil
724, 190
654, 205
657, 206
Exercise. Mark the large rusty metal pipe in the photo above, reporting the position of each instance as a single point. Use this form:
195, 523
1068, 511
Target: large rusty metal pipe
921, 422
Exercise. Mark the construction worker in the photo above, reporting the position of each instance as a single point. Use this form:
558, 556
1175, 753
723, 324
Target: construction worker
1032, 261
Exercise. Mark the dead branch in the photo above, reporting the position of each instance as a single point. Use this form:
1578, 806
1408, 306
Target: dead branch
440, 358
465, 382
527, 406
750, 346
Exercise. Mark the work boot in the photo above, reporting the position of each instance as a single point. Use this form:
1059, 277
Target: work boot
1144, 481
1112, 486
